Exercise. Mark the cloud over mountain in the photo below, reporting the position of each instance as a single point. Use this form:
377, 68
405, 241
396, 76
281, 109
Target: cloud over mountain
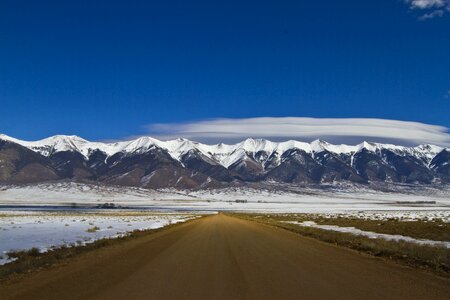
333, 129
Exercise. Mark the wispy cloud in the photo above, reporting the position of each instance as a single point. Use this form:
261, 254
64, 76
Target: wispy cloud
349, 130
447, 95
424, 4
429, 9
431, 15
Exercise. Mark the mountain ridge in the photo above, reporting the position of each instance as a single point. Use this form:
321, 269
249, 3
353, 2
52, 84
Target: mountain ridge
76, 143
149, 162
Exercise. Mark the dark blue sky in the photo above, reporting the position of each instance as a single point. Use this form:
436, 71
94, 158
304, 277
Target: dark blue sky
105, 69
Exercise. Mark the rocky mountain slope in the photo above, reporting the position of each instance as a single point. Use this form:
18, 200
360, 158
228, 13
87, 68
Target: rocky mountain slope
150, 163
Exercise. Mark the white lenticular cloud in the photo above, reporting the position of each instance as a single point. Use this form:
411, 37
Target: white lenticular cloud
333, 130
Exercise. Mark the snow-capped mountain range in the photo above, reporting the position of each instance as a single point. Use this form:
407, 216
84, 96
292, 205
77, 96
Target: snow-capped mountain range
223, 154
149, 162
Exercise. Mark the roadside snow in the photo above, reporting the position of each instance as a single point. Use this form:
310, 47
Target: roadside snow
372, 235
405, 216
44, 230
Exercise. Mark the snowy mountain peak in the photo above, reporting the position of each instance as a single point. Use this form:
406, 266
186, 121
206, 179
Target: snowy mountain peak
318, 145
367, 146
50, 145
256, 145
224, 154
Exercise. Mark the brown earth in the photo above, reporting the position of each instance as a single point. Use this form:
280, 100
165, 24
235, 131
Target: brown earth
221, 257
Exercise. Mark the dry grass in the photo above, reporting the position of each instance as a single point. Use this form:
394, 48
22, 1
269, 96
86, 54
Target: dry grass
436, 230
93, 229
432, 258
432, 230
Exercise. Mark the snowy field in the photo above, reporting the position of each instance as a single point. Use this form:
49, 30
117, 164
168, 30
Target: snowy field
304, 200
56, 214
23, 230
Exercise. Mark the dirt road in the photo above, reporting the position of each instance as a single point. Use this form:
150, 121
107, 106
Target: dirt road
221, 257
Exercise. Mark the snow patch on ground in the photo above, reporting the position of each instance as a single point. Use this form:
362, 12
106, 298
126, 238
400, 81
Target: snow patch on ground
372, 235
406, 216
45, 230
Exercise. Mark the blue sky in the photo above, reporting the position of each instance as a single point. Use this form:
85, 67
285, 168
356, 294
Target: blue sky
112, 69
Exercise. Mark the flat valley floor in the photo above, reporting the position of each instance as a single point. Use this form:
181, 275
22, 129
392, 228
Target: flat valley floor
222, 257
